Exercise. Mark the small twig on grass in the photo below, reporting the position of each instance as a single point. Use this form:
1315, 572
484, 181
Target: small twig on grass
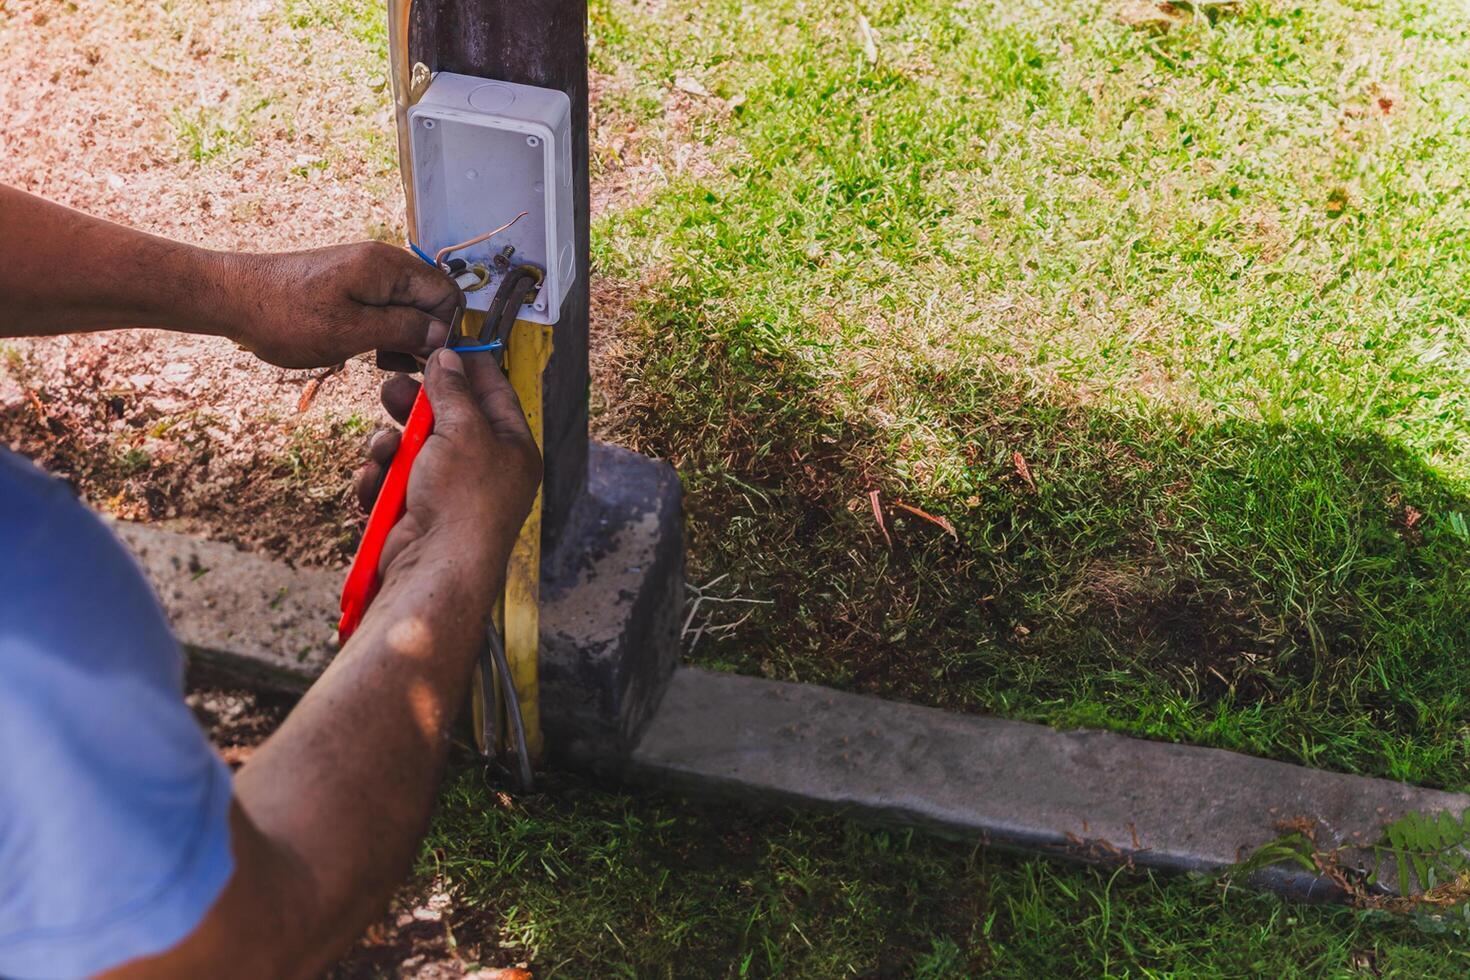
684, 630
314, 386
698, 596
726, 627
940, 522
878, 516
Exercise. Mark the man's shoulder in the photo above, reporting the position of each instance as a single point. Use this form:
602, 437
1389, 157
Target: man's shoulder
68, 587
114, 831
29, 496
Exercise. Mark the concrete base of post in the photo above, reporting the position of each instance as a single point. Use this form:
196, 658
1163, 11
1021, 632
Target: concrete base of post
611, 595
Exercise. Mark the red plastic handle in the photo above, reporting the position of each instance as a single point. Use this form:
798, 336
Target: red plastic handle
363, 580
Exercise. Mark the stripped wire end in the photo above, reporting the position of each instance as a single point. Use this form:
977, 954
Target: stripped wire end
440, 255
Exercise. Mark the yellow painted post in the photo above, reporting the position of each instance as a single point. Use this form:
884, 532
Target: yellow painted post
526, 358
518, 613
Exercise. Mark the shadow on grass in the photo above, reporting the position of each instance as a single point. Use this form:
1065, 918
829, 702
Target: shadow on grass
1295, 591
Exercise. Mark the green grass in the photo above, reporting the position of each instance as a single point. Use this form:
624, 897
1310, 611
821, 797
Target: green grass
359, 19
333, 125
1209, 284
589, 883
206, 132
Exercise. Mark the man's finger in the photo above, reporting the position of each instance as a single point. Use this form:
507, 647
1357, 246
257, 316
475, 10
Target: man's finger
388, 360
415, 283
404, 329
495, 396
450, 394
382, 446
397, 395
367, 482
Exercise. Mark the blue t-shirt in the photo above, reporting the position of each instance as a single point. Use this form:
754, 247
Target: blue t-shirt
114, 809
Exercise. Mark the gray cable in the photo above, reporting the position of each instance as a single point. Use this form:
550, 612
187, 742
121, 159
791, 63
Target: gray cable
496, 646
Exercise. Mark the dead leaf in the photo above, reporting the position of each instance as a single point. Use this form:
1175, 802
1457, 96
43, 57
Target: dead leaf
690, 85
942, 522
1022, 469
878, 516
236, 755
869, 37
314, 386
36, 405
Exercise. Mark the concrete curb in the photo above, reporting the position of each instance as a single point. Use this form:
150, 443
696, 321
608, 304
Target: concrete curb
245, 615
1089, 795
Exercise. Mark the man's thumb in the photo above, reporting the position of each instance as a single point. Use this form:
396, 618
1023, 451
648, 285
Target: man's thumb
448, 388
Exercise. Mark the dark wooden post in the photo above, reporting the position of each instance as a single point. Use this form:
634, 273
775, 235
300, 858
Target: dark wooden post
612, 584
534, 42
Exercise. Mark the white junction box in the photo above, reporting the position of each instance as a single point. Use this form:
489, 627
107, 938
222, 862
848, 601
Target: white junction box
483, 152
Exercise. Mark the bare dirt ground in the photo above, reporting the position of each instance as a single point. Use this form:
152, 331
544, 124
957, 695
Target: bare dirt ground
104, 107
221, 123
233, 126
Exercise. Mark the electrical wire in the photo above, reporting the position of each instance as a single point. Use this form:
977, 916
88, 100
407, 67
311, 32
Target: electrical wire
494, 345
439, 255
496, 647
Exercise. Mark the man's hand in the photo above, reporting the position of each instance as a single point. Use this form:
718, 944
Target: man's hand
300, 309
473, 482
316, 308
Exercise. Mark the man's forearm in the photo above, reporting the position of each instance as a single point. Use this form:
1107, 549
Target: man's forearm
348, 781
63, 271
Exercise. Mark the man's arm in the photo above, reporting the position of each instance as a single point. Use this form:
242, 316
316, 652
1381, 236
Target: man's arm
329, 811
64, 272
